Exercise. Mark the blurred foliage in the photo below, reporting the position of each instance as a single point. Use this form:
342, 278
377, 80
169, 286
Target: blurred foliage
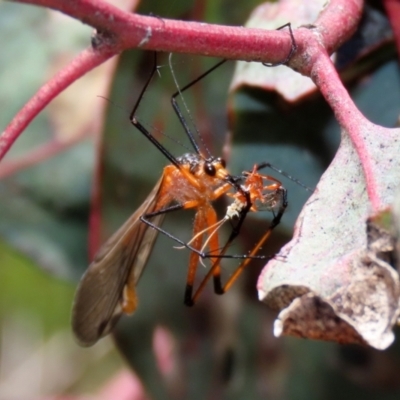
36, 346
224, 345
19, 271
43, 214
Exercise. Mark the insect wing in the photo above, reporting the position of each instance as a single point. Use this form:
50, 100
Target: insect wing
116, 267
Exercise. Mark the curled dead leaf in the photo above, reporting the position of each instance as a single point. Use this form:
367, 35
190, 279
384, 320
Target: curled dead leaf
337, 279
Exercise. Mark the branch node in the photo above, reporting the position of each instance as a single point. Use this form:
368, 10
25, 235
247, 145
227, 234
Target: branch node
102, 39
146, 37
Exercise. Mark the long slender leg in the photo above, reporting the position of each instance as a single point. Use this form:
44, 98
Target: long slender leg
199, 225
257, 247
141, 128
214, 247
193, 204
293, 47
215, 252
193, 248
245, 262
166, 210
215, 270
247, 258
201, 254
204, 218
177, 109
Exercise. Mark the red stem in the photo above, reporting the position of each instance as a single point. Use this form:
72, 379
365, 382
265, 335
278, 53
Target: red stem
338, 21
317, 64
35, 156
121, 30
349, 117
83, 63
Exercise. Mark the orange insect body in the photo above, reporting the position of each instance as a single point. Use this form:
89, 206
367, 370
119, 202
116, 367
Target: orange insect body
262, 197
190, 185
256, 197
108, 287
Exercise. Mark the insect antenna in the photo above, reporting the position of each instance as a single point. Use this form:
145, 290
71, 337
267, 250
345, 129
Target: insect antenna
283, 173
173, 139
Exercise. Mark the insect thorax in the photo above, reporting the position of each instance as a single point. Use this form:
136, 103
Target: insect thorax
192, 159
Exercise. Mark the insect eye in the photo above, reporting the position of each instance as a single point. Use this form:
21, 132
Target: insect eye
209, 169
221, 161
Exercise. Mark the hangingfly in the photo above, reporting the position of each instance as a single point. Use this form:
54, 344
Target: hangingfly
192, 181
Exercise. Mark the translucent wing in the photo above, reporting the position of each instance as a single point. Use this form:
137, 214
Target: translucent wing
111, 278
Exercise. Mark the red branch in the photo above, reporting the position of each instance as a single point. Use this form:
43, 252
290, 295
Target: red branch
338, 21
154, 33
83, 63
349, 117
120, 30
35, 156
